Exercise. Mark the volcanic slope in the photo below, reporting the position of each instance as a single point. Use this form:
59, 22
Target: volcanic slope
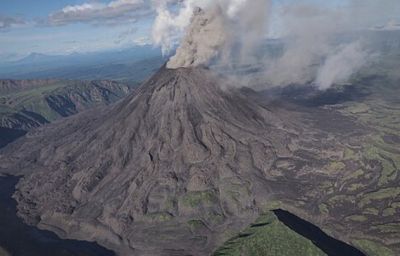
180, 166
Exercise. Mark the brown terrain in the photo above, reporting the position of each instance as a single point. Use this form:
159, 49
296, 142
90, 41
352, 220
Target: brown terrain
186, 161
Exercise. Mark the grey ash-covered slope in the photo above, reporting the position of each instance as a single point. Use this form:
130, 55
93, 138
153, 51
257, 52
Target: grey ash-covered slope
181, 165
170, 154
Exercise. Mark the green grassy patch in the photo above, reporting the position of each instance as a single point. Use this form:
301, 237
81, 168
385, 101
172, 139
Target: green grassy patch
159, 216
358, 108
381, 194
336, 166
371, 211
323, 208
268, 236
357, 218
388, 212
37, 91
350, 154
395, 205
354, 175
195, 224
373, 152
341, 199
355, 187
388, 228
373, 249
196, 198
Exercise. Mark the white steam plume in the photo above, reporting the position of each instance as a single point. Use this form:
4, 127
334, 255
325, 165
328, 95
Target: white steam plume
213, 31
312, 34
168, 26
341, 65
203, 41
320, 43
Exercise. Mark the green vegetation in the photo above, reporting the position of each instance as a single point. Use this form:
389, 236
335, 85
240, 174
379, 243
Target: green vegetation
354, 175
273, 204
358, 108
36, 91
371, 211
388, 228
335, 200
386, 193
388, 212
196, 198
373, 249
160, 217
268, 236
374, 152
357, 218
195, 224
395, 205
350, 154
355, 187
41, 101
379, 113
33, 99
336, 166
323, 208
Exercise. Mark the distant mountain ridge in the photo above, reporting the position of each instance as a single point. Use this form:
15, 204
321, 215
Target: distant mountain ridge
131, 64
27, 104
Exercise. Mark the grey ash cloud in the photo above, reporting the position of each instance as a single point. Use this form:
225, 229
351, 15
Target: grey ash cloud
315, 50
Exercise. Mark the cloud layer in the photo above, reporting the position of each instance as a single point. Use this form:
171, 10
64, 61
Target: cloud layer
115, 12
7, 22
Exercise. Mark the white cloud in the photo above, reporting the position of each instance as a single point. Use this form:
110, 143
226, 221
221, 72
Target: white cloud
391, 25
144, 40
125, 35
7, 22
117, 11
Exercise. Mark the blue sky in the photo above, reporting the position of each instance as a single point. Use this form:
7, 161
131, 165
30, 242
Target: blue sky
25, 28
66, 26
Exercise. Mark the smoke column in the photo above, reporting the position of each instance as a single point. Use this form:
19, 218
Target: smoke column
230, 33
212, 29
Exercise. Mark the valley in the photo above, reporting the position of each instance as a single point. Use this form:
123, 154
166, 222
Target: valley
28, 104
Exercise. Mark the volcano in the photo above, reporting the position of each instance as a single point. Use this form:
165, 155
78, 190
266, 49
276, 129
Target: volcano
180, 165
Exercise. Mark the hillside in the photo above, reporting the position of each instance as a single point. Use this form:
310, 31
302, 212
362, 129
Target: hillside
186, 162
26, 104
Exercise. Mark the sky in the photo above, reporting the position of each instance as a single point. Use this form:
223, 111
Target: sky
69, 26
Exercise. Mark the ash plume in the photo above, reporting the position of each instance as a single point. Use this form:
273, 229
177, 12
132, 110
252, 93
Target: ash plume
212, 29
317, 48
338, 67
204, 39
